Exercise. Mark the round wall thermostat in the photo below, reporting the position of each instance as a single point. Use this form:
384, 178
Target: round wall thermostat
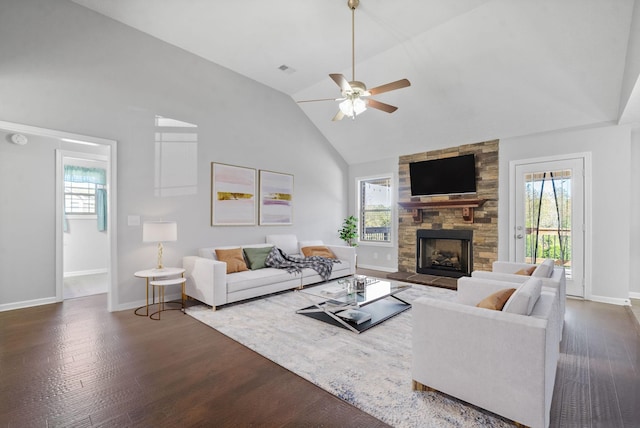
19, 139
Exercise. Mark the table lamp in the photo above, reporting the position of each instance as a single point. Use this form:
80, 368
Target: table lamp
159, 231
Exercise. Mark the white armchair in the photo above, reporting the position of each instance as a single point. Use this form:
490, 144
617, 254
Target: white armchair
500, 361
551, 276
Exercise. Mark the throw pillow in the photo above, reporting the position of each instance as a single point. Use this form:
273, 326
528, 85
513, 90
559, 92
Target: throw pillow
524, 298
496, 300
526, 271
256, 257
318, 250
233, 258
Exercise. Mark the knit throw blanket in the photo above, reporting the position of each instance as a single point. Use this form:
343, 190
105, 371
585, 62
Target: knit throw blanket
281, 260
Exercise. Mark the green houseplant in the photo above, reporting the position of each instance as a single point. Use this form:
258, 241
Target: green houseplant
349, 231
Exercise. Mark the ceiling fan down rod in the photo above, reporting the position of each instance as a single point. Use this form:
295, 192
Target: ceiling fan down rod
353, 4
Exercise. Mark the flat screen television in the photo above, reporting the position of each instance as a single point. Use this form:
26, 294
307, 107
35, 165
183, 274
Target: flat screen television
454, 175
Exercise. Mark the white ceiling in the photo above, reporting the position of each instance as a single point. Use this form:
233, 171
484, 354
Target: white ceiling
479, 69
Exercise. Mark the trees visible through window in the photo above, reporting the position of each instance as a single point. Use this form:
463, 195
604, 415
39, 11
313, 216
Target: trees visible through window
375, 209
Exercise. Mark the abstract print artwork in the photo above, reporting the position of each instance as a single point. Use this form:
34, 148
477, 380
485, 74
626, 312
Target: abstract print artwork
276, 198
233, 195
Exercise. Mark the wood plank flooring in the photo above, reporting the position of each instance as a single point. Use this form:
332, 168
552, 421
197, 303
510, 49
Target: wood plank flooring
76, 365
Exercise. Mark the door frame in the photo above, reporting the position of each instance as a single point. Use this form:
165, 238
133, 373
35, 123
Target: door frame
587, 251
112, 209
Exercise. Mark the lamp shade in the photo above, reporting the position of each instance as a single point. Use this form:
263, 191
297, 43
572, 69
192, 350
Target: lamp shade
159, 231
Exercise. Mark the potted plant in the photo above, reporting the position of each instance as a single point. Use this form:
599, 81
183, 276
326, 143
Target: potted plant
349, 231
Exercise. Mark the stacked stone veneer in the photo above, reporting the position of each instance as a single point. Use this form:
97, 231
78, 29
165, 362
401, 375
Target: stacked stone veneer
485, 223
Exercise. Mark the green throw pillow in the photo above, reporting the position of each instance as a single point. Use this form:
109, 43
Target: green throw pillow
256, 257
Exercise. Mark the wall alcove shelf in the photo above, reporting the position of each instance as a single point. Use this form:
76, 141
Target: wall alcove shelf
467, 206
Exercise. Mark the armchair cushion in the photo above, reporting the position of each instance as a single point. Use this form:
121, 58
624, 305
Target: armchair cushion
544, 269
526, 271
496, 301
524, 298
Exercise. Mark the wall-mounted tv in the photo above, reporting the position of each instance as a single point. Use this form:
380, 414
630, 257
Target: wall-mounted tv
454, 175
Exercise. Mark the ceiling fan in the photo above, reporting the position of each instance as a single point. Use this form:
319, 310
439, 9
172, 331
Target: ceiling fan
355, 93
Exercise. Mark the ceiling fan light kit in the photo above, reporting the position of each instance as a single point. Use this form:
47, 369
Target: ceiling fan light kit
353, 101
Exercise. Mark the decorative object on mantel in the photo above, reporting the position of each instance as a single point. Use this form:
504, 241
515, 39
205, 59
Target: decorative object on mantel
349, 231
467, 206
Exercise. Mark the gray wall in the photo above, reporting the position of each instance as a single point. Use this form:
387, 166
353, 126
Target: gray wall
67, 68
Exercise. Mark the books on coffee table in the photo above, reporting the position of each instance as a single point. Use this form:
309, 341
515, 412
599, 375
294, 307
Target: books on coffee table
354, 315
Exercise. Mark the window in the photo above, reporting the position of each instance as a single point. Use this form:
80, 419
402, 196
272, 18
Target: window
80, 198
85, 193
375, 209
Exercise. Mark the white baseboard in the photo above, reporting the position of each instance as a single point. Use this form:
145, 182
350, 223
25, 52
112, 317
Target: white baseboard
380, 268
633, 295
27, 304
85, 272
610, 300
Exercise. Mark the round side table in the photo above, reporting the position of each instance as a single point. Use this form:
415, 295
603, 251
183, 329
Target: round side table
152, 275
162, 283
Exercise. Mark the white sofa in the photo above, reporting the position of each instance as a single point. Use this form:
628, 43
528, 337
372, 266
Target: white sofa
551, 276
208, 281
500, 361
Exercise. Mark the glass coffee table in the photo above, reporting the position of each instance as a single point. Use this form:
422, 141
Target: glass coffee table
355, 303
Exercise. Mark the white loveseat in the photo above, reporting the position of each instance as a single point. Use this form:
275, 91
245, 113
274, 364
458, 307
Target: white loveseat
500, 361
208, 281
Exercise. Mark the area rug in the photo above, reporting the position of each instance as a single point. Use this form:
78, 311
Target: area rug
371, 370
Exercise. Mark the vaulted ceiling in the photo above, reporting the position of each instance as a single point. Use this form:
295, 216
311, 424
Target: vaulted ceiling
479, 69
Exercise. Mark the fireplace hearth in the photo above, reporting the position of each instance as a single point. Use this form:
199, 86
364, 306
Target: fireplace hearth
444, 252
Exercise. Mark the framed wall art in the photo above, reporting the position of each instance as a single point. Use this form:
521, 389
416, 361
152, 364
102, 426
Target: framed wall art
276, 198
233, 195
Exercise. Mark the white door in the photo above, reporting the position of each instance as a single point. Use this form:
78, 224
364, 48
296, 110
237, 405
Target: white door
549, 216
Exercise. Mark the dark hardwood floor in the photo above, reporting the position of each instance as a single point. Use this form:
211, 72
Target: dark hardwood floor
75, 364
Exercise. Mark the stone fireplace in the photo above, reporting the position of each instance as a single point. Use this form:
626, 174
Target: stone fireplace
476, 214
444, 252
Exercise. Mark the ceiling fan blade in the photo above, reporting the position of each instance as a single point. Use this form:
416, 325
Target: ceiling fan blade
381, 106
339, 115
402, 83
341, 81
319, 99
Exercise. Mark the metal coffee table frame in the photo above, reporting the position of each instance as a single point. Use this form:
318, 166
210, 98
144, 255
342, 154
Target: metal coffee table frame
374, 300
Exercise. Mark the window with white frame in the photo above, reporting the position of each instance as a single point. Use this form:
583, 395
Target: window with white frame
375, 209
80, 198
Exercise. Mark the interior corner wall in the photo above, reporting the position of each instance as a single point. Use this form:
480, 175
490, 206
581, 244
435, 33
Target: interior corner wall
608, 270
634, 251
67, 68
382, 257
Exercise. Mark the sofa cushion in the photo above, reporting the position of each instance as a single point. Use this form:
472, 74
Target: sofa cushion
496, 301
524, 298
318, 250
287, 243
257, 278
256, 256
233, 258
544, 269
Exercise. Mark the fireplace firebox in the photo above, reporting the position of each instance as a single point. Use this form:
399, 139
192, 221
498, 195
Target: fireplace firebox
444, 252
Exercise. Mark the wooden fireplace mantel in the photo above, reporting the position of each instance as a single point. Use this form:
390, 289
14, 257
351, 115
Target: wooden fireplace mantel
467, 206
